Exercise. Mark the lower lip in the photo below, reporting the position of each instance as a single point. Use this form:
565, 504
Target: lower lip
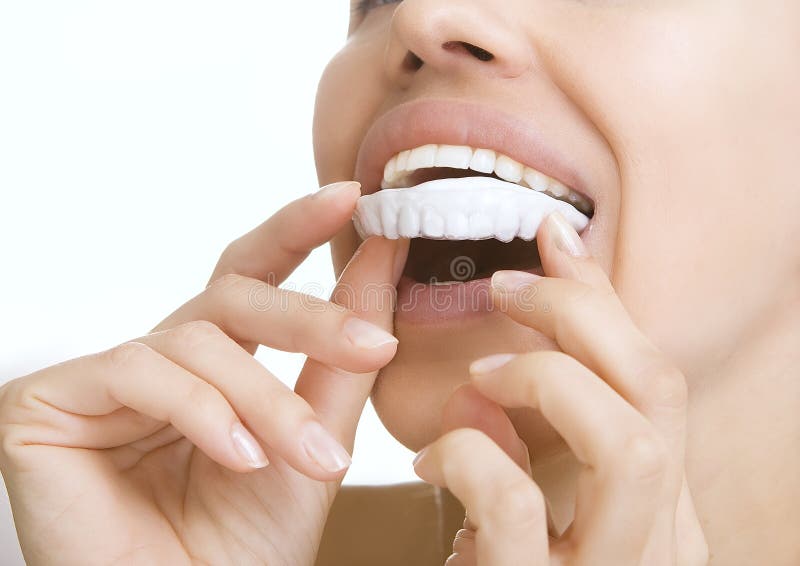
421, 303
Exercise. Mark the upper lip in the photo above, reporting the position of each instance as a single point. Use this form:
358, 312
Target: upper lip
453, 122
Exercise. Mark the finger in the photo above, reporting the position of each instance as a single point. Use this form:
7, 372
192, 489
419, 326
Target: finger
463, 549
251, 311
367, 287
271, 251
502, 501
276, 415
467, 408
563, 254
134, 376
591, 324
625, 456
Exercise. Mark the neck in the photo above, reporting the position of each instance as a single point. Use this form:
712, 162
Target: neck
743, 449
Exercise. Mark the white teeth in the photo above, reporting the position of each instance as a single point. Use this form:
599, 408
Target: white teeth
408, 222
535, 180
402, 162
483, 161
468, 208
422, 157
431, 226
456, 225
390, 169
455, 156
398, 169
557, 189
508, 169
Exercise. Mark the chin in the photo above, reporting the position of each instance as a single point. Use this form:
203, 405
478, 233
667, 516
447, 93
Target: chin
433, 359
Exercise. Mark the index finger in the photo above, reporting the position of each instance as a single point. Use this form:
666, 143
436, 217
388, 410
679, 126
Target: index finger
367, 287
271, 251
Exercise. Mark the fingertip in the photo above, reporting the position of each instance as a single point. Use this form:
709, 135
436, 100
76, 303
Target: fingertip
248, 448
342, 191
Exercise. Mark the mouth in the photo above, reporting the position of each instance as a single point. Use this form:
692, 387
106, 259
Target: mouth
468, 211
469, 185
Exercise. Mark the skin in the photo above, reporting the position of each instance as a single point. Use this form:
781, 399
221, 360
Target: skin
674, 412
681, 111
135, 444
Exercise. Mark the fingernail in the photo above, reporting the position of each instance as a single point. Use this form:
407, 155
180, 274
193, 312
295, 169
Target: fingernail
334, 189
247, 446
419, 456
508, 281
324, 449
565, 236
366, 335
490, 363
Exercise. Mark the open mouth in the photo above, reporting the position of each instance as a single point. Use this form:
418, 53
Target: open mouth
468, 211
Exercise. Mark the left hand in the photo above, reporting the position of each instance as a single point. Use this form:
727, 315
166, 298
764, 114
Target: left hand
619, 404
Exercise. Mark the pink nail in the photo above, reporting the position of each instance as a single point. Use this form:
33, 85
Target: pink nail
366, 335
490, 363
508, 281
565, 237
324, 449
247, 446
334, 190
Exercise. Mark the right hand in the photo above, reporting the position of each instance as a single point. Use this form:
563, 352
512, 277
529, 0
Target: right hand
140, 454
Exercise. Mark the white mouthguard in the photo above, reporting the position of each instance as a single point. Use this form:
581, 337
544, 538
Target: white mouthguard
467, 208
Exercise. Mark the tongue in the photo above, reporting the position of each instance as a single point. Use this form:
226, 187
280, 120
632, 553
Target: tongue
469, 208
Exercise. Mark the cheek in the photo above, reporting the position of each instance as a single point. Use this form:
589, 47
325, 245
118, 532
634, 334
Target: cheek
347, 101
695, 123
348, 97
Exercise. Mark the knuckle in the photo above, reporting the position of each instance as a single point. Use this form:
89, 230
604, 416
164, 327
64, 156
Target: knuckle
458, 445
549, 361
518, 503
463, 440
645, 457
667, 386
464, 541
231, 254
582, 299
128, 354
200, 396
12, 438
197, 333
585, 296
224, 284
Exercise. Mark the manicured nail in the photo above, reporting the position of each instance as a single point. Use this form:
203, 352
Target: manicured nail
335, 189
490, 363
508, 281
324, 449
419, 456
366, 335
247, 446
565, 236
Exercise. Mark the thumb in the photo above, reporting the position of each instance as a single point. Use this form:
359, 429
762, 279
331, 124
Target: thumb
368, 287
467, 408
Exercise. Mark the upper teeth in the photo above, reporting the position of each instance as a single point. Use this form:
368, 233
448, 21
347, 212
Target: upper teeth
399, 168
468, 208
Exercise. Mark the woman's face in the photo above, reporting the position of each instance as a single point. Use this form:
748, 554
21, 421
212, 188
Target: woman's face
678, 118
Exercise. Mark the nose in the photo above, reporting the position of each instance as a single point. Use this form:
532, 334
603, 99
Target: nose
455, 37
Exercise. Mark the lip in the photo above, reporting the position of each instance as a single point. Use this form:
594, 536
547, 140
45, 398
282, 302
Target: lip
454, 122
422, 303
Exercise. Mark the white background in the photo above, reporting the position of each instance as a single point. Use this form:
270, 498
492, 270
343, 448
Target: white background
136, 140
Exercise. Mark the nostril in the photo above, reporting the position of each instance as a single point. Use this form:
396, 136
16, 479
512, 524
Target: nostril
412, 62
476, 51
